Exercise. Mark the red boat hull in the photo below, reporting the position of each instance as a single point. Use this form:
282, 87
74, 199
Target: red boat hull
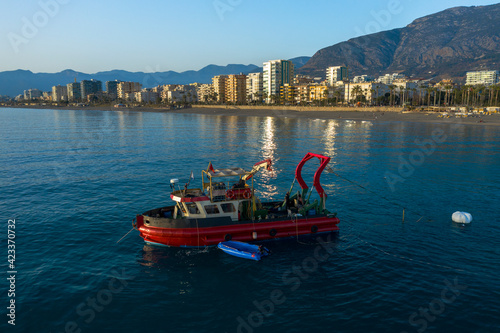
247, 232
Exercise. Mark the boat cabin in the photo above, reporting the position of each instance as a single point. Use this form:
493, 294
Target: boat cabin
224, 192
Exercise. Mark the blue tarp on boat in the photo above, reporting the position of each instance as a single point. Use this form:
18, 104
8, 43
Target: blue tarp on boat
243, 250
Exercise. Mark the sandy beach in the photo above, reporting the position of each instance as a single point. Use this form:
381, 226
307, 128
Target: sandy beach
367, 114
360, 114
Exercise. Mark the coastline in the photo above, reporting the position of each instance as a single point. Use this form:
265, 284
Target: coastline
323, 113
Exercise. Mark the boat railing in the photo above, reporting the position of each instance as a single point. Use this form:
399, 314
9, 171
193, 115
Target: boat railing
218, 192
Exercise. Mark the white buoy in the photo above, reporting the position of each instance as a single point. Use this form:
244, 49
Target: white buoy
461, 217
254, 235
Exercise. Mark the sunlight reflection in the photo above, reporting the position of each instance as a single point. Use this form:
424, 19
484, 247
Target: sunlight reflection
267, 188
329, 140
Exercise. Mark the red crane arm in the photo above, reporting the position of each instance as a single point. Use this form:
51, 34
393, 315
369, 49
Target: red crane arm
324, 160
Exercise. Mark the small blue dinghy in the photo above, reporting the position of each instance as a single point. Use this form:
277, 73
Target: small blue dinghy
243, 250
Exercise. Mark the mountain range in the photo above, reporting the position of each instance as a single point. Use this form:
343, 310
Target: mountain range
15, 82
446, 44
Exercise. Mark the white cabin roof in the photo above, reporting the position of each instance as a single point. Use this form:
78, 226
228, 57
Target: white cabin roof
227, 172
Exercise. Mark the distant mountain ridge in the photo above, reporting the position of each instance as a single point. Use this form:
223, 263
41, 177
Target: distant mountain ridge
442, 45
13, 83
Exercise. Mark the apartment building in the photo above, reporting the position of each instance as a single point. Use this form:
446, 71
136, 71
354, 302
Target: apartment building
482, 78
255, 86
124, 88
236, 88
335, 74
276, 74
59, 93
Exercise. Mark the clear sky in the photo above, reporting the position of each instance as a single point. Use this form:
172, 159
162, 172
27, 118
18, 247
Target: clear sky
159, 35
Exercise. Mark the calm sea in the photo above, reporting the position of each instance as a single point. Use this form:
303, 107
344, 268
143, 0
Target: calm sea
74, 180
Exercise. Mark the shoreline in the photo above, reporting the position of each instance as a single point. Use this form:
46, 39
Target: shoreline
323, 113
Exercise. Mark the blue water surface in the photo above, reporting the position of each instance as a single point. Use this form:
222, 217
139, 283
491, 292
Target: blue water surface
74, 180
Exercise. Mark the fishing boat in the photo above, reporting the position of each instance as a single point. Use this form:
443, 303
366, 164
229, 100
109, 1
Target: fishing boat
244, 250
226, 208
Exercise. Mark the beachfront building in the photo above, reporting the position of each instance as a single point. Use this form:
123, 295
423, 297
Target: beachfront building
47, 95
170, 87
74, 91
482, 78
128, 97
88, 87
319, 92
276, 74
164, 91
389, 78
32, 94
59, 93
124, 88
363, 78
287, 94
365, 91
335, 74
406, 89
157, 89
112, 89
94, 97
205, 92
400, 85
301, 79
146, 95
219, 84
236, 88
302, 93
181, 95
254, 87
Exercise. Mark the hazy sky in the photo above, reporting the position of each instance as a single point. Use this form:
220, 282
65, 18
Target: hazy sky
160, 35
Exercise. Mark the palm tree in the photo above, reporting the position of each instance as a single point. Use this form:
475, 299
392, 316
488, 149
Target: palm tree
391, 88
372, 92
356, 92
273, 98
337, 95
497, 88
413, 93
429, 90
326, 93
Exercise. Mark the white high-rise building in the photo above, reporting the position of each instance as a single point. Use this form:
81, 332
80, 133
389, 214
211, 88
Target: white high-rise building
335, 74
59, 93
254, 86
482, 77
276, 74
